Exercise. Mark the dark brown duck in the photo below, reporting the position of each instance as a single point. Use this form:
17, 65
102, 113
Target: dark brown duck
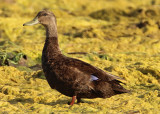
69, 76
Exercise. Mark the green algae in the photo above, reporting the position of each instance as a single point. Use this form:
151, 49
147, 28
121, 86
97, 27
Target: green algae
120, 37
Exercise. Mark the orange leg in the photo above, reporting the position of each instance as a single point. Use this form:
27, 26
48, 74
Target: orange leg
73, 100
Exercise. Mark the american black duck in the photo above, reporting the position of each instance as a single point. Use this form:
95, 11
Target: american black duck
69, 76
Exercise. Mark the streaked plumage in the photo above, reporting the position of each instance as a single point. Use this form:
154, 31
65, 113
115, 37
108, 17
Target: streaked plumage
69, 76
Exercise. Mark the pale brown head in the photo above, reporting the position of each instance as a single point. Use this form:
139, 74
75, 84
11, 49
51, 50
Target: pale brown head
43, 17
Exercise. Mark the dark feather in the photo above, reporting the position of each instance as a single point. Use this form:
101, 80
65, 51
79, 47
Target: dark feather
73, 77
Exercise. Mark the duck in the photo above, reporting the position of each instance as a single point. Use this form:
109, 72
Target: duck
70, 76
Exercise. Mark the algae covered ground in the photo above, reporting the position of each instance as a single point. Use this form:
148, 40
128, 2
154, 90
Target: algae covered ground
119, 36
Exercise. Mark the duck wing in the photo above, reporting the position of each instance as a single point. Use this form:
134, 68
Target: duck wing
90, 70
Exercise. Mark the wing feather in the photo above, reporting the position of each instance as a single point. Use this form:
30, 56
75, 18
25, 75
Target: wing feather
91, 70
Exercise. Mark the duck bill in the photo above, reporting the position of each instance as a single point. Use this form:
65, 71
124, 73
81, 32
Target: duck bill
33, 22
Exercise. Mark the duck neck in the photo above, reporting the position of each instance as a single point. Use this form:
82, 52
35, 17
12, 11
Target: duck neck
51, 47
51, 30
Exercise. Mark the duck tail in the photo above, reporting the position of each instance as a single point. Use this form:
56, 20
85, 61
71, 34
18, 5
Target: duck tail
117, 88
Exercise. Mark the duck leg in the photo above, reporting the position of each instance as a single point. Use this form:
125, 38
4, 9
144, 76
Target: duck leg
78, 100
73, 100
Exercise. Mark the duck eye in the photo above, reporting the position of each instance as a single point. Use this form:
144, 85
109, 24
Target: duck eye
45, 14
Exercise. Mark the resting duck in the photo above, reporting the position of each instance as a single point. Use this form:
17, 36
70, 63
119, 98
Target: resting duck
69, 76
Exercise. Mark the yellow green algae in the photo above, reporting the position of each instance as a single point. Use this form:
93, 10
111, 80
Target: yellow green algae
121, 37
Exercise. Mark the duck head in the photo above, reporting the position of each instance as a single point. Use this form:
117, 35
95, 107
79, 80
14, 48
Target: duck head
43, 17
